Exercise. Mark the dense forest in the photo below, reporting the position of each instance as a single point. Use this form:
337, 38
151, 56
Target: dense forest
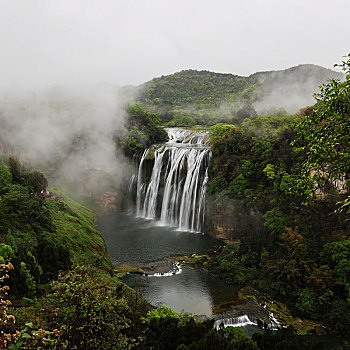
201, 97
285, 180
280, 183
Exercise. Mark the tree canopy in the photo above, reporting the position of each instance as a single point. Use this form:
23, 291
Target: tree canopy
325, 134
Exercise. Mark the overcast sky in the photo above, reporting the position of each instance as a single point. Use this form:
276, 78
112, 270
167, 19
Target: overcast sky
46, 42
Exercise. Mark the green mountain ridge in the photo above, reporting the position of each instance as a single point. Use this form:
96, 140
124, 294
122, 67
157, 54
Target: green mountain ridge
222, 94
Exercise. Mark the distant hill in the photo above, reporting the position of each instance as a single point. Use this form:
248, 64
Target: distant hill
204, 93
191, 87
291, 88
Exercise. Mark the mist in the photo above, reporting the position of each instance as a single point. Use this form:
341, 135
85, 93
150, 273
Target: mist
72, 46
67, 132
291, 89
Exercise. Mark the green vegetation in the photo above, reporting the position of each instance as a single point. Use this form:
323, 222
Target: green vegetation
193, 97
294, 243
47, 232
87, 311
191, 87
58, 303
142, 130
325, 135
281, 180
85, 243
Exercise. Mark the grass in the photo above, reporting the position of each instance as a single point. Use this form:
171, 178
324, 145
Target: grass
76, 230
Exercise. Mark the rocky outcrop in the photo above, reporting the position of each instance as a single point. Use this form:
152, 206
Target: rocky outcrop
228, 222
109, 201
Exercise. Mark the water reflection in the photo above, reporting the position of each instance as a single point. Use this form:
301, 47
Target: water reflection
131, 239
195, 291
191, 291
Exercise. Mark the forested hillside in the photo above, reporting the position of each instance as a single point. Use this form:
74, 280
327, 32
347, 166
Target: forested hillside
46, 231
57, 289
283, 182
191, 87
202, 97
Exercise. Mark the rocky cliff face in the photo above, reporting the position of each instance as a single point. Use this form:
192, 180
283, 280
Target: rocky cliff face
231, 220
109, 201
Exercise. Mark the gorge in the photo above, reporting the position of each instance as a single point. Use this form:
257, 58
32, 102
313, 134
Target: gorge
165, 220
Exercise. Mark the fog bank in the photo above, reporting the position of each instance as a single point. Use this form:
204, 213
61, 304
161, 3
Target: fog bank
67, 132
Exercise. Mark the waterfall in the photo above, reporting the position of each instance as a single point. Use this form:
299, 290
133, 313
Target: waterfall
240, 321
270, 322
173, 190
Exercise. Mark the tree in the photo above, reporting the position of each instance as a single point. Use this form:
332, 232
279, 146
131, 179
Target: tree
142, 130
325, 134
91, 313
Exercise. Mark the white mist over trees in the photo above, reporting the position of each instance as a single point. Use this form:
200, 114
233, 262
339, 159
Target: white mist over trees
67, 132
292, 88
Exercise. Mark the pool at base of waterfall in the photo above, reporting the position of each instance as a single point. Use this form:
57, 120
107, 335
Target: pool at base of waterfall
135, 240
194, 290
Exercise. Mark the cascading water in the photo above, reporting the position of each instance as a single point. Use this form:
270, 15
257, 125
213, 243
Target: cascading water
174, 193
240, 321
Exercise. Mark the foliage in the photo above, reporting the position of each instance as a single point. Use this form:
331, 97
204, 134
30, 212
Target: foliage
324, 135
285, 338
212, 98
308, 302
236, 269
193, 87
91, 314
181, 118
198, 97
43, 233
269, 125
339, 317
40, 339
6, 253
167, 329
291, 247
6, 319
163, 312
27, 337
142, 130
337, 255
76, 232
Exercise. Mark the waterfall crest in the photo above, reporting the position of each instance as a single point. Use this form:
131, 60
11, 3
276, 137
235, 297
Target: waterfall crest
171, 180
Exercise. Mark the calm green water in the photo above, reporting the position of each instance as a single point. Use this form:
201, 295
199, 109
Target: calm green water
132, 239
194, 291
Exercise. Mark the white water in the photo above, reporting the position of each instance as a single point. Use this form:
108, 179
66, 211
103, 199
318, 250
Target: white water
175, 271
175, 192
245, 320
240, 321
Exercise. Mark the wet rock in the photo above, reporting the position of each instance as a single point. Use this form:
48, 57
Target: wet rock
320, 330
161, 267
108, 201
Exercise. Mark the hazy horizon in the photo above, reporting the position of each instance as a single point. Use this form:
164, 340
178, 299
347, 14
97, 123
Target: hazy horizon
48, 43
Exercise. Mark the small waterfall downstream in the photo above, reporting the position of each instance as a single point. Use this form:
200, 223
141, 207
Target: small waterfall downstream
171, 180
269, 322
240, 321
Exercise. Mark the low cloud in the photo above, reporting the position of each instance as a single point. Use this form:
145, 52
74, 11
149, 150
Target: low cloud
66, 132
